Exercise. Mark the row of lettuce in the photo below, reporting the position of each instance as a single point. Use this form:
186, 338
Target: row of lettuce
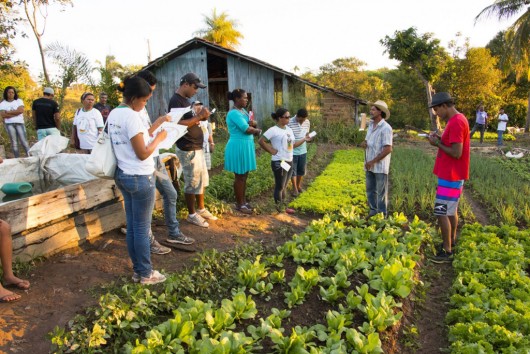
357, 270
491, 293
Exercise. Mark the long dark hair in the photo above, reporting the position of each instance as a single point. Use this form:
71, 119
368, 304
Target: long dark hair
134, 87
279, 113
148, 76
7, 89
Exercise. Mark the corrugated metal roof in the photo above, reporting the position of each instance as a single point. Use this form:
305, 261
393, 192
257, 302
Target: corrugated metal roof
199, 42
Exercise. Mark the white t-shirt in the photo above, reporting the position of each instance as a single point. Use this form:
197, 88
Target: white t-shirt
87, 124
12, 106
283, 141
503, 120
147, 123
124, 124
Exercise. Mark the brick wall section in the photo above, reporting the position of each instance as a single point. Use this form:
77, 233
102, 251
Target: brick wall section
337, 109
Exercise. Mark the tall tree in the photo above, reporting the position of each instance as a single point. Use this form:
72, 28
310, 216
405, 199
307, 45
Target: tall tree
346, 75
220, 30
475, 79
37, 14
17, 75
408, 97
517, 37
423, 55
73, 66
8, 22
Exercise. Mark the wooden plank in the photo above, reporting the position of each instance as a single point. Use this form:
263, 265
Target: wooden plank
69, 233
40, 209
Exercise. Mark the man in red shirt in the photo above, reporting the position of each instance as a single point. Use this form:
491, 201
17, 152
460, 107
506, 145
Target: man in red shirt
451, 167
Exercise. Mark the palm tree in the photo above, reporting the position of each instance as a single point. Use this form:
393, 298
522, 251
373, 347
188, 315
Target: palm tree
220, 30
73, 66
517, 36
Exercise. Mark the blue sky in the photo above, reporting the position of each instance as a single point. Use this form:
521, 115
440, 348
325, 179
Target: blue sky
285, 33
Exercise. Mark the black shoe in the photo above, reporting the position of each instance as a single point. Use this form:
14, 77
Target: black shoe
442, 257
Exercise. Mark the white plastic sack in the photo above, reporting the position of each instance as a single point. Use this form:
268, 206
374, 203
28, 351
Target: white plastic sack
50, 145
514, 156
102, 162
20, 170
67, 168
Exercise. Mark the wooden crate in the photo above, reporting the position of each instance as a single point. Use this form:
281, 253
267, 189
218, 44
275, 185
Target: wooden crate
47, 223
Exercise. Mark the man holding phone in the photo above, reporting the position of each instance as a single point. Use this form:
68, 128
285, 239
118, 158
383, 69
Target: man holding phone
189, 150
452, 168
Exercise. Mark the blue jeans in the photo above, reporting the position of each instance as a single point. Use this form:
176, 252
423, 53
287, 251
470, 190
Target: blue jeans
42, 133
281, 178
17, 132
377, 192
139, 198
165, 187
499, 137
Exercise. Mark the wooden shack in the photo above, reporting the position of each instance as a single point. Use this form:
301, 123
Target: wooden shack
223, 70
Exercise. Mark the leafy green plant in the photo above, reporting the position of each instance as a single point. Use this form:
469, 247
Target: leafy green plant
341, 184
249, 273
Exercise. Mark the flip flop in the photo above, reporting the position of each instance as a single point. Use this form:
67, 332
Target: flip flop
3, 298
21, 285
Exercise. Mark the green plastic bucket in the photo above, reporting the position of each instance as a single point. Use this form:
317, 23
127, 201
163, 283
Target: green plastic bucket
16, 188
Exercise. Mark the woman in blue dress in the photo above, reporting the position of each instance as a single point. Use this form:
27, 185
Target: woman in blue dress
240, 154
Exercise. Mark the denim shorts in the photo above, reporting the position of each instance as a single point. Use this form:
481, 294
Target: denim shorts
299, 165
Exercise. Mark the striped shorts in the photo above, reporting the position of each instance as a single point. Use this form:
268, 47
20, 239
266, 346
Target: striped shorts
447, 196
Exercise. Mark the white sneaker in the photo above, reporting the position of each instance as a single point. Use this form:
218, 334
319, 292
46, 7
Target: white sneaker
136, 278
154, 278
207, 215
197, 220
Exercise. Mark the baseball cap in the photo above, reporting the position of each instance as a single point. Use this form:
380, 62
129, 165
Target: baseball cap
48, 90
439, 98
192, 78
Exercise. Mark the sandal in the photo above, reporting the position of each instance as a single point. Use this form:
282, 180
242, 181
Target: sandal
290, 211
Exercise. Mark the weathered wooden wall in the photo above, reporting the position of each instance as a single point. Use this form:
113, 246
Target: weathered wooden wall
168, 76
257, 80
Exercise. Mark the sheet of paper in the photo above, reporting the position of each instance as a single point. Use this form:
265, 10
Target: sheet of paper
177, 113
174, 132
312, 134
285, 166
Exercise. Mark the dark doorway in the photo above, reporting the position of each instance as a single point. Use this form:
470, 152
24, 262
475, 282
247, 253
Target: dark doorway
217, 81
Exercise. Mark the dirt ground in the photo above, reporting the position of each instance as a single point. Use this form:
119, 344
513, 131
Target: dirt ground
64, 284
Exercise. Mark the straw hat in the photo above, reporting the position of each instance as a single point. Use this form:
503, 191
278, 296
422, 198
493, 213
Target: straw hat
381, 105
